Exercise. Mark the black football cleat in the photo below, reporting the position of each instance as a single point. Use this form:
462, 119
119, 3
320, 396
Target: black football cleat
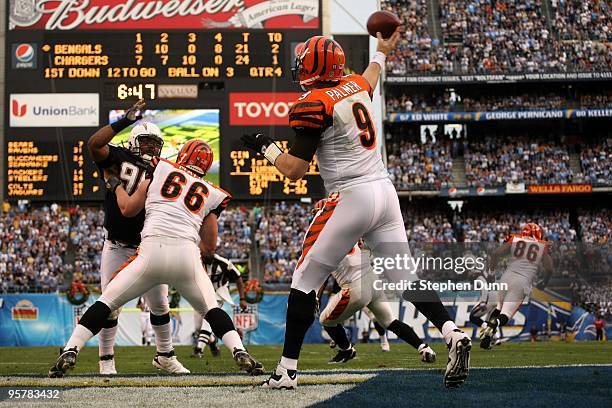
342, 356
66, 361
247, 363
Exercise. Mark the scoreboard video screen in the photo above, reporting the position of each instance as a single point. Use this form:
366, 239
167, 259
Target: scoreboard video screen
211, 70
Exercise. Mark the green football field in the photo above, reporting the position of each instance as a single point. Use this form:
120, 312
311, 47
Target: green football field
513, 374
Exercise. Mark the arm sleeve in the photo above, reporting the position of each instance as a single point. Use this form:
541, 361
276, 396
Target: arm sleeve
222, 206
305, 143
110, 159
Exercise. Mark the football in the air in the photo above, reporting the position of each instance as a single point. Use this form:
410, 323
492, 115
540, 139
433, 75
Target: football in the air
383, 22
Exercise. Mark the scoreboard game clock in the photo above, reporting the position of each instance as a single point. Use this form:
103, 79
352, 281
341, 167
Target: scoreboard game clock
212, 70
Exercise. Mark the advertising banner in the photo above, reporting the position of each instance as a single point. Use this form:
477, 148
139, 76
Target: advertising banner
162, 14
261, 108
472, 191
416, 117
560, 189
496, 78
54, 110
48, 320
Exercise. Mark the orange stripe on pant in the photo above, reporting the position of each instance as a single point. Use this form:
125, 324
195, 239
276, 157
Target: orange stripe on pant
315, 229
122, 267
340, 306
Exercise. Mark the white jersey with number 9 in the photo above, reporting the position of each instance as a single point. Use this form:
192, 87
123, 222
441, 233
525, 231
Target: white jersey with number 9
178, 201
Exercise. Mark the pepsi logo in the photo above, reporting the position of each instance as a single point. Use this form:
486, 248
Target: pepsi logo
24, 53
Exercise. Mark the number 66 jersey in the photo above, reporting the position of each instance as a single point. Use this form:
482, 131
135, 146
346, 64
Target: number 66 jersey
178, 201
347, 151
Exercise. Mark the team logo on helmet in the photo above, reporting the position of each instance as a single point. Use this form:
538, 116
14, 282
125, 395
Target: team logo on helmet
196, 155
318, 59
532, 230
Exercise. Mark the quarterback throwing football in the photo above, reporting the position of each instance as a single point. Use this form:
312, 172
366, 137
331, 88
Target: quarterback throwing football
334, 120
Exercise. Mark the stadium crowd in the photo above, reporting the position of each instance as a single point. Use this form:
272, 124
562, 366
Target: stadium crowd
583, 20
234, 239
487, 36
279, 235
427, 226
595, 298
596, 225
414, 165
596, 163
496, 226
498, 160
35, 242
450, 101
33, 246
87, 236
416, 50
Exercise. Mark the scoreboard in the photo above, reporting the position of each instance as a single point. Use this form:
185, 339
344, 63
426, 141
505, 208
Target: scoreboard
206, 72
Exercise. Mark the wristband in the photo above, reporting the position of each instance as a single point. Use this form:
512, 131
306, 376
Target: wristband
272, 152
113, 183
121, 124
379, 58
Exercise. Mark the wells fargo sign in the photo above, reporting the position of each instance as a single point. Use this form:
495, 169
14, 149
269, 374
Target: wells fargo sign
560, 189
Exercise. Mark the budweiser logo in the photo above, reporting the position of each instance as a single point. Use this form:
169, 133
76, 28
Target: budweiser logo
157, 14
70, 14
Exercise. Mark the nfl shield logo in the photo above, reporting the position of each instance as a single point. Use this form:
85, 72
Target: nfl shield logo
247, 320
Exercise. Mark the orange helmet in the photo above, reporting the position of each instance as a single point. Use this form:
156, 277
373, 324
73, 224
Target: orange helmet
318, 59
532, 230
196, 155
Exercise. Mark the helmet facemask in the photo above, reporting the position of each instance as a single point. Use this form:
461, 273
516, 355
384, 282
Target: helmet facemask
147, 146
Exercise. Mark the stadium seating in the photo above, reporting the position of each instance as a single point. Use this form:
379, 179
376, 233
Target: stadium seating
234, 234
280, 232
596, 162
30, 263
87, 236
414, 165
34, 244
498, 160
483, 36
412, 102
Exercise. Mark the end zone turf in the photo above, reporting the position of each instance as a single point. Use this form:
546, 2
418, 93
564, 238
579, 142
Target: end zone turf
511, 387
519, 374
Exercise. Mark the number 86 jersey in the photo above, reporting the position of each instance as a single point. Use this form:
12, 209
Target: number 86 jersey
347, 151
178, 201
525, 255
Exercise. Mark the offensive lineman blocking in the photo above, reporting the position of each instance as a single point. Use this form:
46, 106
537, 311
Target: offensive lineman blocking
123, 233
334, 120
180, 227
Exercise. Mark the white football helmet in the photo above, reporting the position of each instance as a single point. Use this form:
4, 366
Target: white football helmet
142, 131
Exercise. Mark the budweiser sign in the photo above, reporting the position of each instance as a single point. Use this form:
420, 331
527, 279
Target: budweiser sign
162, 14
257, 108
